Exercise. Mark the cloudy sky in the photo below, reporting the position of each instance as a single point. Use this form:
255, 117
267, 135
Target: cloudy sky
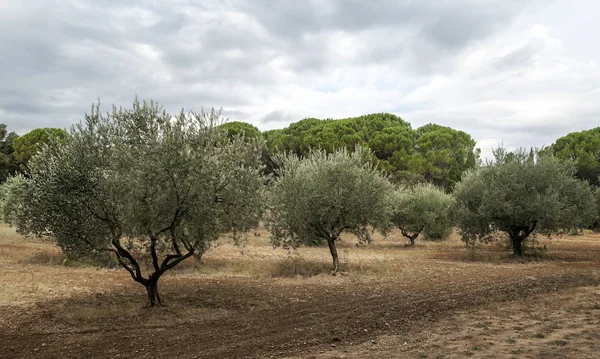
518, 72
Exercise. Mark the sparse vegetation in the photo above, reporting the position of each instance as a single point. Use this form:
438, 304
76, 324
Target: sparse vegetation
422, 208
149, 188
522, 193
318, 198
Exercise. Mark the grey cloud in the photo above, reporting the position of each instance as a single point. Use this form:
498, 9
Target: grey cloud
456, 24
85, 50
517, 59
290, 19
277, 117
235, 115
437, 19
20, 106
419, 34
22, 124
36, 61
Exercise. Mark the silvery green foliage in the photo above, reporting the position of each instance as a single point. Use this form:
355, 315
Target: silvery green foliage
419, 208
11, 194
144, 184
322, 195
519, 194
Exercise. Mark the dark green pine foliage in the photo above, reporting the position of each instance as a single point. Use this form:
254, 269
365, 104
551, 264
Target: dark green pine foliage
431, 153
8, 164
583, 148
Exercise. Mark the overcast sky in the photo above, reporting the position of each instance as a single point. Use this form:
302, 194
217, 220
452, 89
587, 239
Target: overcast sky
519, 72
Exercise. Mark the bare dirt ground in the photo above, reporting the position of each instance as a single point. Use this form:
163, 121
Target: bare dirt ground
436, 300
558, 325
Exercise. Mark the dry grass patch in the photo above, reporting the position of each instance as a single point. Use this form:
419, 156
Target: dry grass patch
257, 295
298, 266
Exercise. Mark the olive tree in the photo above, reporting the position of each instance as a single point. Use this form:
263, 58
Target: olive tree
11, 193
521, 193
151, 188
317, 198
421, 207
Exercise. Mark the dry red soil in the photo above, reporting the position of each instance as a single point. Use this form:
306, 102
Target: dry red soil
430, 302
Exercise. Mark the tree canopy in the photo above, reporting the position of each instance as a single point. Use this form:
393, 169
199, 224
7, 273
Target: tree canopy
420, 208
26, 146
522, 193
151, 188
8, 164
236, 129
318, 197
431, 153
583, 148
442, 155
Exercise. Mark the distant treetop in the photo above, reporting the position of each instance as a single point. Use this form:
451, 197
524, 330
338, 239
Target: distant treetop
236, 128
29, 144
584, 148
431, 153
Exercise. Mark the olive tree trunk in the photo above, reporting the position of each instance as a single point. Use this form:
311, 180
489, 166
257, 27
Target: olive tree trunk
518, 235
153, 296
516, 242
411, 237
128, 262
334, 255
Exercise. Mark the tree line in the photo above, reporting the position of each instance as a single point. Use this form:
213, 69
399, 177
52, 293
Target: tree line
151, 189
16, 151
431, 153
